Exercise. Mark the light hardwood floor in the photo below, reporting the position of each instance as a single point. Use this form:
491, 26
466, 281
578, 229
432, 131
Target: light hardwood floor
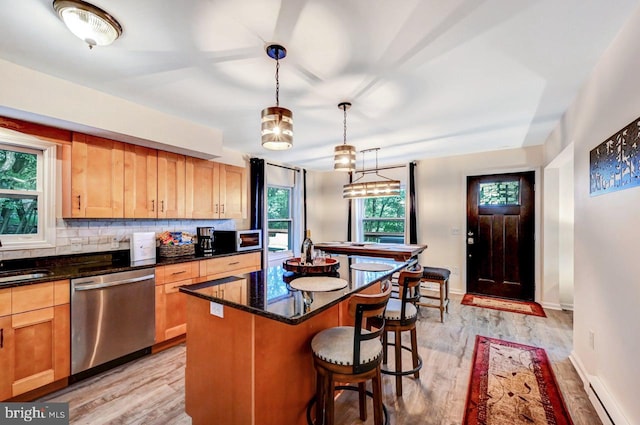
151, 390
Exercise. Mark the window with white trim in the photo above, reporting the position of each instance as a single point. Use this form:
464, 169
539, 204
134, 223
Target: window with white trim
280, 222
27, 191
382, 219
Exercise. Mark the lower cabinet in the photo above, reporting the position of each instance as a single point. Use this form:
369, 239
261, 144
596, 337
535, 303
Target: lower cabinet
35, 338
171, 314
171, 304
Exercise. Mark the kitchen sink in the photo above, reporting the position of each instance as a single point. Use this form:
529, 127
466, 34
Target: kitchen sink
18, 275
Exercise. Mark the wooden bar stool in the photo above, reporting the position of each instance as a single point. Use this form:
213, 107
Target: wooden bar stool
351, 354
400, 316
441, 277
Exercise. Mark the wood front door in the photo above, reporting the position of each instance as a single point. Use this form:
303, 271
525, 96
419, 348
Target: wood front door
500, 235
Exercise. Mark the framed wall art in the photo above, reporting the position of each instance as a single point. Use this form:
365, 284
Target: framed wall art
615, 163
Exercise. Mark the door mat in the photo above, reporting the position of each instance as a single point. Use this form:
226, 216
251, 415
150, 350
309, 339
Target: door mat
512, 384
513, 306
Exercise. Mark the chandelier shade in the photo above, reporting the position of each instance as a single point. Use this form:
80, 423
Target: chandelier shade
276, 122
87, 22
371, 189
344, 156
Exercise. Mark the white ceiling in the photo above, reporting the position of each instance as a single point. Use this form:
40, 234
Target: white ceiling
427, 78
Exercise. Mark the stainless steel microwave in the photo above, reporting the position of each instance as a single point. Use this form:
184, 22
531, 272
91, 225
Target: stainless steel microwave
225, 241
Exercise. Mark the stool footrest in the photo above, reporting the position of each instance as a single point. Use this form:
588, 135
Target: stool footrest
349, 388
403, 372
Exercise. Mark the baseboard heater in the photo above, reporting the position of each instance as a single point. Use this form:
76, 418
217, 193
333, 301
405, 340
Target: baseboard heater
599, 405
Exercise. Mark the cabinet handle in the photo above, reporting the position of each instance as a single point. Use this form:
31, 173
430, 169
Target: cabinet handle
222, 290
222, 209
153, 205
79, 202
162, 206
180, 272
216, 208
2, 338
234, 263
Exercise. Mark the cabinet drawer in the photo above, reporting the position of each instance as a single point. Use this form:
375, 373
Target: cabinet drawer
40, 295
243, 263
31, 297
176, 272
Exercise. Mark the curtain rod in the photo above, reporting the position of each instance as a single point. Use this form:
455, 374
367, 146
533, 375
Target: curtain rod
284, 166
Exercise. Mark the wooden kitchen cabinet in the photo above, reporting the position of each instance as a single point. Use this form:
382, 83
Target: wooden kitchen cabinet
97, 177
216, 190
140, 182
171, 185
203, 193
171, 314
233, 192
35, 347
215, 268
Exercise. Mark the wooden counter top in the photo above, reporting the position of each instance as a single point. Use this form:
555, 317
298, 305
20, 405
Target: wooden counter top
399, 252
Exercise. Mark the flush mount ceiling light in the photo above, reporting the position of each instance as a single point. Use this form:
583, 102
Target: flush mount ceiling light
371, 189
344, 158
87, 22
277, 122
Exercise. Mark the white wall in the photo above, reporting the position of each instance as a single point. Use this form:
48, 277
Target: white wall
33, 96
441, 196
607, 231
442, 205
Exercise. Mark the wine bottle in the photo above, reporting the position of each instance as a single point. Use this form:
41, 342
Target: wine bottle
306, 252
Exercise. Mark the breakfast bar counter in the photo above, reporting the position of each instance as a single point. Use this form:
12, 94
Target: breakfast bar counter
249, 357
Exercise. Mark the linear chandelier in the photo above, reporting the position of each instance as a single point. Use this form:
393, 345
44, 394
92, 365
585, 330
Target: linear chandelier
344, 158
277, 122
371, 189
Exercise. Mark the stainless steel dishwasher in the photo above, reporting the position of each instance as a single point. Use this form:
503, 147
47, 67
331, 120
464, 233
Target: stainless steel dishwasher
112, 315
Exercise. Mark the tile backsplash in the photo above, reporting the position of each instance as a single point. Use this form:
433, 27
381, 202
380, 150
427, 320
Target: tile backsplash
82, 236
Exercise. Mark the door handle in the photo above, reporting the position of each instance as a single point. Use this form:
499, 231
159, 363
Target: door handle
2, 338
470, 241
153, 205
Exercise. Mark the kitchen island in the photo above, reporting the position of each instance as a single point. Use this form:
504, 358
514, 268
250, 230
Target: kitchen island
249, 357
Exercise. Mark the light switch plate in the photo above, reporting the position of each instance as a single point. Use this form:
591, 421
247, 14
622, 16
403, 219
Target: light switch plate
216, 309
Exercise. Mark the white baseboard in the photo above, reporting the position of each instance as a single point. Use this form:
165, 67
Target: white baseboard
568, 307
603, 402
551, 306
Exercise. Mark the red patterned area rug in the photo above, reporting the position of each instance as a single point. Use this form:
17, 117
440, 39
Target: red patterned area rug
512, 384
513, 306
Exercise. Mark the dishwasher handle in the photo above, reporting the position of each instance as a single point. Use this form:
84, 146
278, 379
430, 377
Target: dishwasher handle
86, 286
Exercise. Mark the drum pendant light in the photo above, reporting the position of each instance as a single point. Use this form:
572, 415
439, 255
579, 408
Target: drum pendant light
277, 122
344, 158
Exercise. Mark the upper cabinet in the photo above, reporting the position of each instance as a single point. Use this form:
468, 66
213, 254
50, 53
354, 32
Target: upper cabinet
171, 185
110, 179
97, 177
215, 190
140, 182
233, 192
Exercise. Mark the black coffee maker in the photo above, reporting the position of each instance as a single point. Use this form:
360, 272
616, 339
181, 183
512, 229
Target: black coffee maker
205, 242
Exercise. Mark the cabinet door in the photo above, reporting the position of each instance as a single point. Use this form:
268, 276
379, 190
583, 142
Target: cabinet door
233, 192
6, 357
171, 311
202, 188
40, 348
140, 182
97, 177
171, 185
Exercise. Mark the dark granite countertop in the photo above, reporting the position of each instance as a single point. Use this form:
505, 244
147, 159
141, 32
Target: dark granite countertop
268, 294
83, 265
